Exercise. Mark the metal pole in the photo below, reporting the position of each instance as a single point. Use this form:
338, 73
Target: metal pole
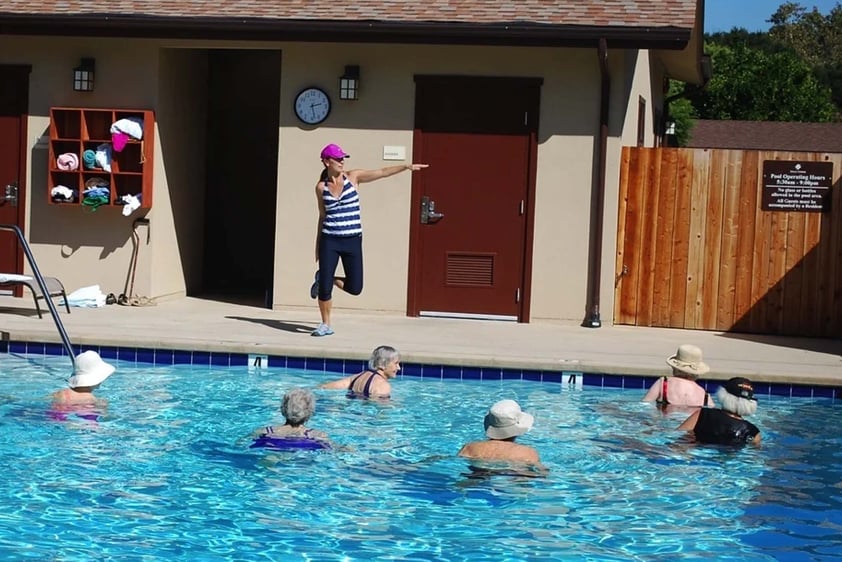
38, 277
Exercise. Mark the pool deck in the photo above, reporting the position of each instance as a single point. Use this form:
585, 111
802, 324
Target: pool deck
211, 325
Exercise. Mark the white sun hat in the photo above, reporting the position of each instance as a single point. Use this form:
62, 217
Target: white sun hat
89, 370
505, 419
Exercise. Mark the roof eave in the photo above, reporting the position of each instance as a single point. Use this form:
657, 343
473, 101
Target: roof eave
690, 64
264, 29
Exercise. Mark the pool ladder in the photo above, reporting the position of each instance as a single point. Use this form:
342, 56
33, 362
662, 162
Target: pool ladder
43, 285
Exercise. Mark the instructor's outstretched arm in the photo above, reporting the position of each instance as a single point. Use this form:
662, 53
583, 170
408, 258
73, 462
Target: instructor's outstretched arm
362, 176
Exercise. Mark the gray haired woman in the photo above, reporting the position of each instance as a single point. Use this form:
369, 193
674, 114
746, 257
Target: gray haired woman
297, 407
384, 364
726, 425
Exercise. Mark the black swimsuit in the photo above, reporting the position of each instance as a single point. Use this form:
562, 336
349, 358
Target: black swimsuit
366, 393
717, 426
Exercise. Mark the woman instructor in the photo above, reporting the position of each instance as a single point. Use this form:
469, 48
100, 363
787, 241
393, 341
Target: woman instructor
339, 233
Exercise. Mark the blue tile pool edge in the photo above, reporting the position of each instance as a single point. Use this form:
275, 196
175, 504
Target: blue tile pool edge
422, 370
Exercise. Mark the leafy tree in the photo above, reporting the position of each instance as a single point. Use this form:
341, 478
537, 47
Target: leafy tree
754, 85
740, 36
816, 38
681, 112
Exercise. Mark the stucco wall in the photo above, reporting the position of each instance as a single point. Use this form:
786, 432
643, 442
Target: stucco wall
168, 76
384, 116
81, 247
179, 172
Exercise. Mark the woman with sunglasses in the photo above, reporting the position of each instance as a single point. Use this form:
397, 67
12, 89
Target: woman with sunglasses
339, 233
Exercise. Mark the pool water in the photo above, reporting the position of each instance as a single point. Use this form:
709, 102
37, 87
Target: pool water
166, 473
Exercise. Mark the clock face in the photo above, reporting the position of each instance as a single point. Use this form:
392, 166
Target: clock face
312, 105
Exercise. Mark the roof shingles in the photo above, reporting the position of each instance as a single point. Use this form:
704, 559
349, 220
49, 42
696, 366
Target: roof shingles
609, 13
766, 135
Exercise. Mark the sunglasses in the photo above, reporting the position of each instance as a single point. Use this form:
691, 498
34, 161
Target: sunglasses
338, 159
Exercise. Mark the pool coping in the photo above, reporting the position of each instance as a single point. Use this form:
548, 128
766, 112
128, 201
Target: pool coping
249, 356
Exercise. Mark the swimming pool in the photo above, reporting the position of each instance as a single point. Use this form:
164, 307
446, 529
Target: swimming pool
167, 473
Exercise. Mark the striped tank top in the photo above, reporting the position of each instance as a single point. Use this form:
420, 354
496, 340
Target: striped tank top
342, 214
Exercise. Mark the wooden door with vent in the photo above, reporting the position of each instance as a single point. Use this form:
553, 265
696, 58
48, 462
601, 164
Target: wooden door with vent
470, 240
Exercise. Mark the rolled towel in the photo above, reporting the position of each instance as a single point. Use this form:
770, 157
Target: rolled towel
89, 158
67, 161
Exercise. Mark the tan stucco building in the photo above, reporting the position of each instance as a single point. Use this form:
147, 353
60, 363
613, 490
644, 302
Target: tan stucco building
233, 210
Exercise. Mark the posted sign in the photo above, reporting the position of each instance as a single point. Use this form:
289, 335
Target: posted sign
796, 186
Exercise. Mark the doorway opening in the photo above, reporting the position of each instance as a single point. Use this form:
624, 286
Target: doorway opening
242, 179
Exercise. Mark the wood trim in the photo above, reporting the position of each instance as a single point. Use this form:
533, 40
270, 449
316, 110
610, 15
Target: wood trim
397, 32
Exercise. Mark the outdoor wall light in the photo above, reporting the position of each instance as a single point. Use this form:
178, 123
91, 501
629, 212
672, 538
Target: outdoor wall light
670, 128
349, 83
83, 75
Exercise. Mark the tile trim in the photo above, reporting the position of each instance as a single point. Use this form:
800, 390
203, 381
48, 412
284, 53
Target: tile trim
349, 366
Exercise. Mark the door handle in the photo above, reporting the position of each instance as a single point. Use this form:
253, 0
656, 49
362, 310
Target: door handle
10, 194
428, 211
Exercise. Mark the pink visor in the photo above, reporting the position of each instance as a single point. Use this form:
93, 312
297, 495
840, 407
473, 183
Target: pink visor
333, 151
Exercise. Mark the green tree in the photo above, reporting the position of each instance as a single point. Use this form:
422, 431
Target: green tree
816, 38
680, 111
754, 85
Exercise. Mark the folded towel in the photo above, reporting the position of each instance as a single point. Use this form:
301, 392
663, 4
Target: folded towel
13, 277
103, 157
67, 161
86, 297
95, 197
62, 193
132, 126
131, 203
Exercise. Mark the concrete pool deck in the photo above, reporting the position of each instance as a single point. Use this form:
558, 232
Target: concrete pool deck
211, 325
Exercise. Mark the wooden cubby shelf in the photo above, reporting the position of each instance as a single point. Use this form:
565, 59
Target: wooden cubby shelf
73, 130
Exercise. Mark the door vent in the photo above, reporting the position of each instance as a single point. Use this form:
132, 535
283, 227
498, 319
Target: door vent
470, 270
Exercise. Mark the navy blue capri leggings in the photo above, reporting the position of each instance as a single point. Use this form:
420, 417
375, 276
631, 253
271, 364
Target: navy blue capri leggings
350, 250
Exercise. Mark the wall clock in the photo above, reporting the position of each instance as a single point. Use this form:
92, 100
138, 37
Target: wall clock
312, 105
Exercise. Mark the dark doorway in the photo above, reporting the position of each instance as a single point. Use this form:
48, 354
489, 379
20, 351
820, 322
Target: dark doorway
242, 179
473, 260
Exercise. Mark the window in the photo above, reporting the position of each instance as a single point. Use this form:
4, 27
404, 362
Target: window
641, 121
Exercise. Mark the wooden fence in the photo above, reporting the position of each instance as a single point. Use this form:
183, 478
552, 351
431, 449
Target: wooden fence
695, 250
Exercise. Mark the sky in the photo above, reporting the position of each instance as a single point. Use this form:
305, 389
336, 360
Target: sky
723, 15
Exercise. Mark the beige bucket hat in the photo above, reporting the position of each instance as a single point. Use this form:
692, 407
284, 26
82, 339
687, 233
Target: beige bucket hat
688, 359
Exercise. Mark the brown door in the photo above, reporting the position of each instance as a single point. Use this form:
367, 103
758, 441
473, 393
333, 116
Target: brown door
470, 239
14, 93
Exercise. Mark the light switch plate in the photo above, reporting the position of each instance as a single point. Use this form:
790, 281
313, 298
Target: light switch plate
394, 153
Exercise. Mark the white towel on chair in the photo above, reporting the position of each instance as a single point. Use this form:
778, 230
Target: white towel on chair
13, 277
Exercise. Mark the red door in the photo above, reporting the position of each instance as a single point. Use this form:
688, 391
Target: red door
470, 240
14, 94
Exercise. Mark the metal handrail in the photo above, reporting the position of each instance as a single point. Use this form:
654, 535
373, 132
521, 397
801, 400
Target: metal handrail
43, 285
